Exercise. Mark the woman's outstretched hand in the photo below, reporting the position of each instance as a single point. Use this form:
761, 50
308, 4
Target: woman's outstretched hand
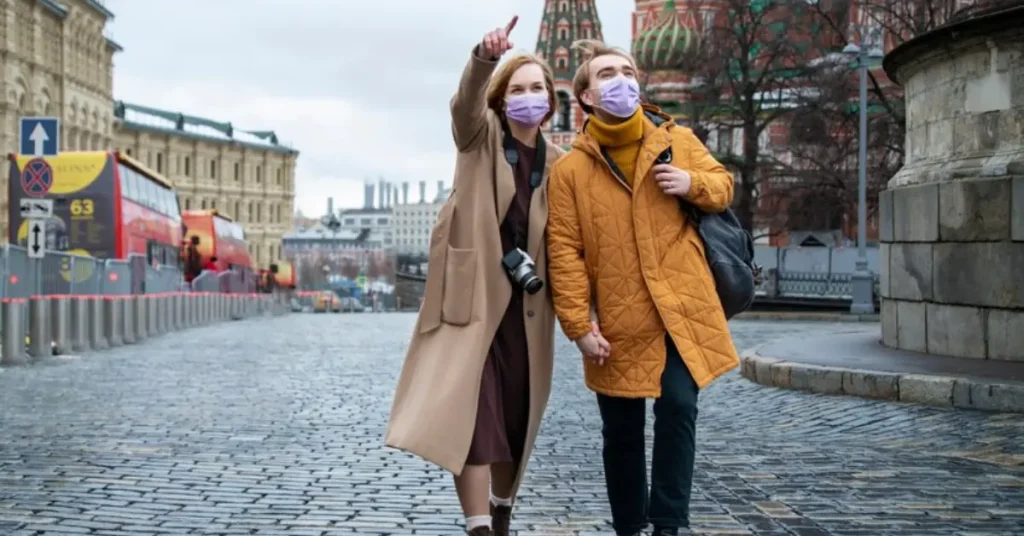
495, 44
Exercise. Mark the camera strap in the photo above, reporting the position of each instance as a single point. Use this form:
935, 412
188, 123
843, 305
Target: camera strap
512, 155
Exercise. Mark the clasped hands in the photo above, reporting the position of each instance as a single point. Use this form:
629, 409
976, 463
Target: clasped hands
594, 346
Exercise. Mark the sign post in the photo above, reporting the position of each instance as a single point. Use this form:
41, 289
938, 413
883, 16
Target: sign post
38, 137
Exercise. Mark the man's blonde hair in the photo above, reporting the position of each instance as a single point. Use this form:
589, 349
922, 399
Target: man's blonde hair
501, 78
591, 49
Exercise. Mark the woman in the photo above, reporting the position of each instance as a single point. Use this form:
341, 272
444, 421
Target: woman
478, 370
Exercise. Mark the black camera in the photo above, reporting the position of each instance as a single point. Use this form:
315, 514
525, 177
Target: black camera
522, 270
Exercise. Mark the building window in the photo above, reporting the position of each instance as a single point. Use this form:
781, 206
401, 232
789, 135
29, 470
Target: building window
259, 173
248, 215
562, 63
563, 34
238, 210
278, 175
259, 212
188, 167
563, 6
238, 171
159, 162
563, 117
203, 204
188, 204
213, 168
128, 152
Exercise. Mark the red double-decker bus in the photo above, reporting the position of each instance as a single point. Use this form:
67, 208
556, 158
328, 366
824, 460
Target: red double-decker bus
105, 205
212, 234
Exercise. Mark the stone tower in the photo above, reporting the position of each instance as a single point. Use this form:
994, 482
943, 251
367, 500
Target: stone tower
563, 23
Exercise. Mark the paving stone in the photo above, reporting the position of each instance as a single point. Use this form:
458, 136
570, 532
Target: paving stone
274, 427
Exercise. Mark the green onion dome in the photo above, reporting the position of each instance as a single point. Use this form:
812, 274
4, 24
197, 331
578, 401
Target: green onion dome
665, 44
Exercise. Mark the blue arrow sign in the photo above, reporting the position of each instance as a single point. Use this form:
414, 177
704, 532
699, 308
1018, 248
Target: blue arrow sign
39, 136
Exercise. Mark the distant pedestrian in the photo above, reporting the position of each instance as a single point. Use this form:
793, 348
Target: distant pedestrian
211, 265
478, 370
621, 248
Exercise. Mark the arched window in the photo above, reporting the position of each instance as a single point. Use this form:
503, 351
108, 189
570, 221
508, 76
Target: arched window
563, 5
563, 118
563, 34
562, 63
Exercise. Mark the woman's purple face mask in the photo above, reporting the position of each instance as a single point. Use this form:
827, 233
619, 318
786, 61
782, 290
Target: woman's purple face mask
526, 100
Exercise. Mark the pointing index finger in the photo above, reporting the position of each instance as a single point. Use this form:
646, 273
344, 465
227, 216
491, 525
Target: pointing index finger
511, 24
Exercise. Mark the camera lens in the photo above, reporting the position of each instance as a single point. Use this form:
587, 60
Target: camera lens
533, 285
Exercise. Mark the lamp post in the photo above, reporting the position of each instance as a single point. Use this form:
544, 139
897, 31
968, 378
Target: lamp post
862, 280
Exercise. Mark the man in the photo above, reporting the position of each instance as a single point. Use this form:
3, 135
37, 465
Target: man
622, 249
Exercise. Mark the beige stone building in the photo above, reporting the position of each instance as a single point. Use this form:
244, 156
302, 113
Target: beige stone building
55, 60
248, 176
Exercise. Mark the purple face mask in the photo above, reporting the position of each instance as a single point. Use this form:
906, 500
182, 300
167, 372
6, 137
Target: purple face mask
620, 96
527, 110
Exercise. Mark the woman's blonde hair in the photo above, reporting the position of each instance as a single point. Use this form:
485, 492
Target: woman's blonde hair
590, 49
499, 83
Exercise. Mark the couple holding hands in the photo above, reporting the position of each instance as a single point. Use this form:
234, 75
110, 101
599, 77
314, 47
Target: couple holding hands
595, 237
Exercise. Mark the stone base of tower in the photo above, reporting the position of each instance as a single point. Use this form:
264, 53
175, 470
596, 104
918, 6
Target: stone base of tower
952, 268
952, 220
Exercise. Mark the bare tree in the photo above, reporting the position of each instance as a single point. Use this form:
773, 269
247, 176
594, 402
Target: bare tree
750, 66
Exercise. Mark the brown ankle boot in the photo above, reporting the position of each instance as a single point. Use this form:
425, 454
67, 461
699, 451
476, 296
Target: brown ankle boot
501, 519
481, 531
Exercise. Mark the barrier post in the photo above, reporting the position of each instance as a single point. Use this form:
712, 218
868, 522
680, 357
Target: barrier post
127, 306
113, 324
179, 311
39, 328
140, 310
60, 315
13, 311
97, 320
79, 323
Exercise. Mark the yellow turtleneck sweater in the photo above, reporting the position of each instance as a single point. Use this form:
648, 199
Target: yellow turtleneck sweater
622, 141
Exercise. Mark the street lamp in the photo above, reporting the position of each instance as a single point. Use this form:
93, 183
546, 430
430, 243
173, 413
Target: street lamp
862, 282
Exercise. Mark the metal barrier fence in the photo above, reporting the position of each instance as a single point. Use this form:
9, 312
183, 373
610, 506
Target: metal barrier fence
67, 274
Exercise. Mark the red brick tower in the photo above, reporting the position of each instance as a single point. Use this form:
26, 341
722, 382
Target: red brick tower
564, 22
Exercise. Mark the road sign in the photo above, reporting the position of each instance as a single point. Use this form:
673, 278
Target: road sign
37, 177
36, 238
36, 208
39, 136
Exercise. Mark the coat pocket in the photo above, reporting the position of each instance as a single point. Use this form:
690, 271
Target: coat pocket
459, 283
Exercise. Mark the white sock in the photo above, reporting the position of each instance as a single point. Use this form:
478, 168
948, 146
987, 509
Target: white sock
497, 501
473, 522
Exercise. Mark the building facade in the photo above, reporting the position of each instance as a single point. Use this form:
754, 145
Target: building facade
412, 222
245, 175
565, 22
56, 62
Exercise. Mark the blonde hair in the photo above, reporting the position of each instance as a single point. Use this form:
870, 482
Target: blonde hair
590, 49
499, 83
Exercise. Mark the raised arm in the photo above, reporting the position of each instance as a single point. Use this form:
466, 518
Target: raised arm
469, 105
570, 287
711, 187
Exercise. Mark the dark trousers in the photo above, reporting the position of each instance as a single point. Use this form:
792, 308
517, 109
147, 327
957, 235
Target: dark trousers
667, 502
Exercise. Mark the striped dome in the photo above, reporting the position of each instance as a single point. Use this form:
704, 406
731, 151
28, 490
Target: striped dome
665, 44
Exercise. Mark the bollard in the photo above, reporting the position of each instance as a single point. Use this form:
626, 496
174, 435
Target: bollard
191, 308
162, 317
151, 315
178, 306
13, 311
39, 328
60, 326
113, 324
140, 312
79, 323
97, 321
128, 318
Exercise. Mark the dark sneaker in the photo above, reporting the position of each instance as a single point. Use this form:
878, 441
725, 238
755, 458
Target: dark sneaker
501, 519
665, 531
481, 531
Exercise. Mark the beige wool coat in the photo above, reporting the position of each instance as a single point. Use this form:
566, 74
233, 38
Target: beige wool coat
467, 292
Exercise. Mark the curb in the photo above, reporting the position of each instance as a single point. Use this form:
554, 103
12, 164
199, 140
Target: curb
806, 316
926, 389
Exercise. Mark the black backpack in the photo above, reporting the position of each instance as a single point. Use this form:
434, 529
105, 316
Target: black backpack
728, 247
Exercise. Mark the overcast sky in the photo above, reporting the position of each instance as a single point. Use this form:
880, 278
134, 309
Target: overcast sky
360, 88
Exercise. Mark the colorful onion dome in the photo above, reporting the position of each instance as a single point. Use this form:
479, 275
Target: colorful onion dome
665, 44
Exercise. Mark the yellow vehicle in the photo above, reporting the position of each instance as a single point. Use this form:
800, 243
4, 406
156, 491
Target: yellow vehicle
326, 301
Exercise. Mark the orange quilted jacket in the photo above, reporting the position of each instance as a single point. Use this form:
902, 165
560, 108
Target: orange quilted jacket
635, 255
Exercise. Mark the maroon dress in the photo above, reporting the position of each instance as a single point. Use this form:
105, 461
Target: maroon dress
503, 412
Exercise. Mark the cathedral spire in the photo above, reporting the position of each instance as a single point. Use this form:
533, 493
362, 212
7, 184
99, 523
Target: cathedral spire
565, 22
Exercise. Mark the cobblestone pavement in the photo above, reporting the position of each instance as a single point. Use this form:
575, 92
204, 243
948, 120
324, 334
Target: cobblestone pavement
274, 426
